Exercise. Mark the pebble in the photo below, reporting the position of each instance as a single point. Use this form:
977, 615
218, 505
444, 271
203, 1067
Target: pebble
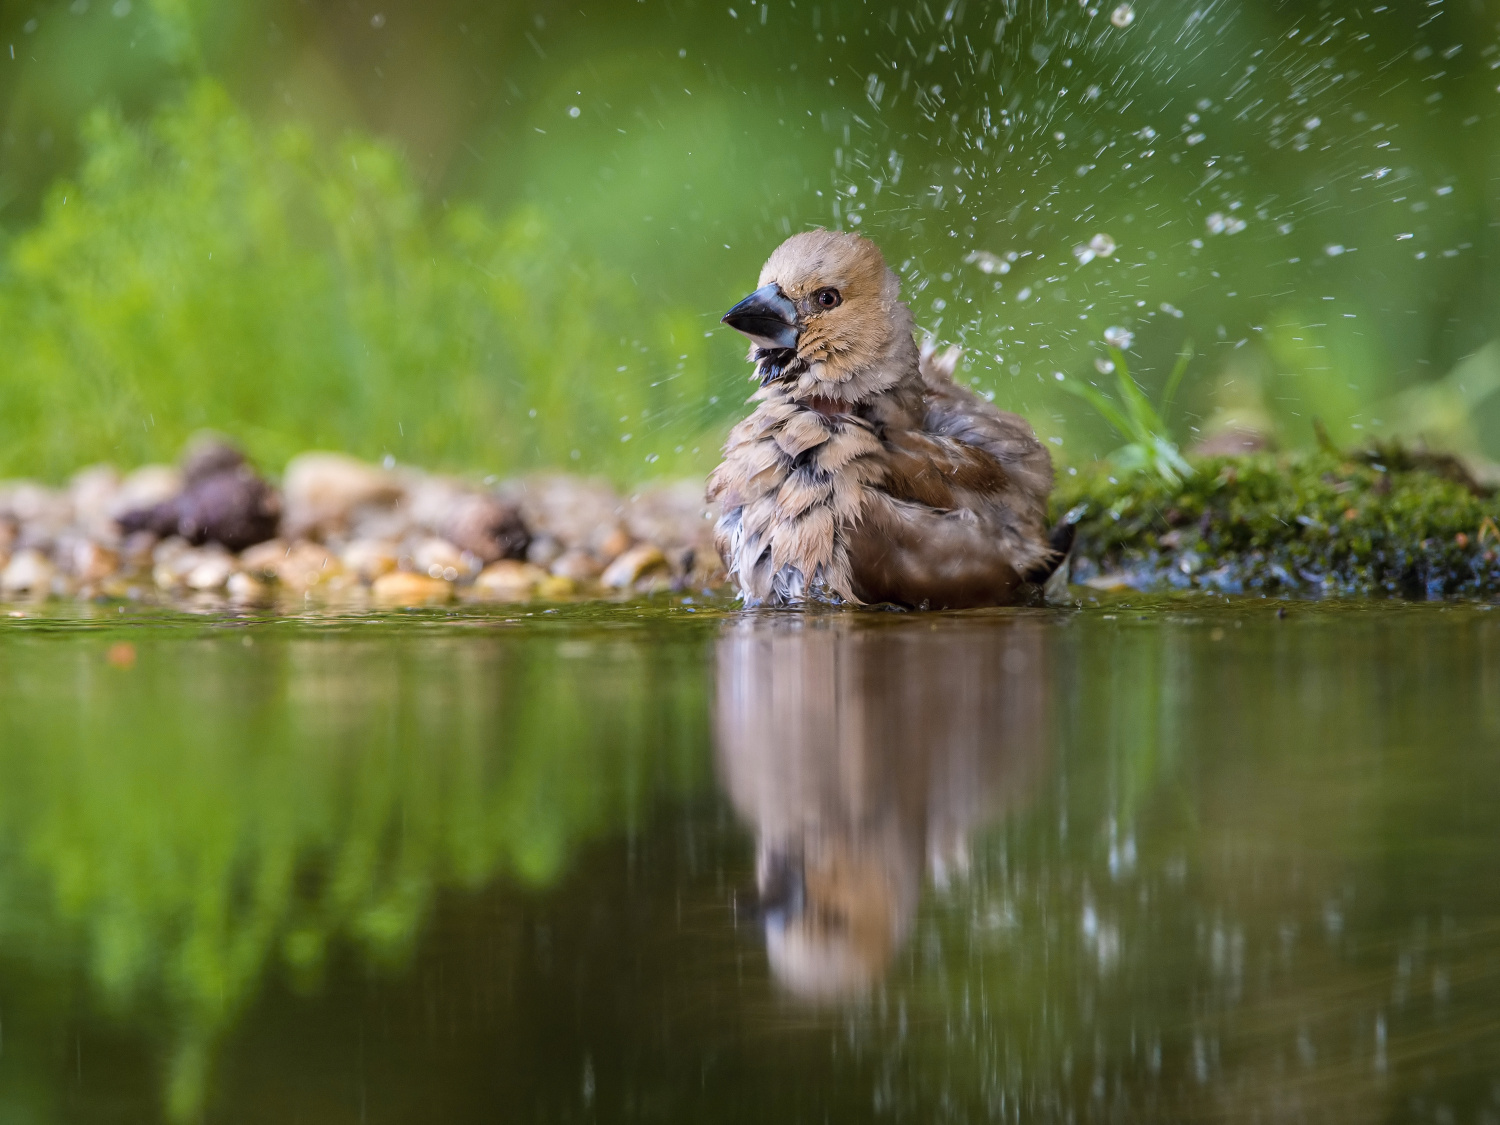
323, 492
344, 525
437, 558
403, 588
28, 572
91, 562
638, 562
246, 588
556, 587
305, 565
577, 565
509, 580
368, 559
212, 572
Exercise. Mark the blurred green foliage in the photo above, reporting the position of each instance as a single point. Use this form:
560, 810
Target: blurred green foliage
204, 271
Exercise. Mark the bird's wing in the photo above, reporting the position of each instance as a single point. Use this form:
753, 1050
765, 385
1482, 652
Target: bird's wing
957, 413
909, 553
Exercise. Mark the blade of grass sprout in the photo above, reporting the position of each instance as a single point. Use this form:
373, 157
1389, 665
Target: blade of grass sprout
1170, 462
1174, 380
1146, 424
1095, 398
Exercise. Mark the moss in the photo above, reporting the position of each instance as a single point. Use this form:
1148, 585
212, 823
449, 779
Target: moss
1313, 523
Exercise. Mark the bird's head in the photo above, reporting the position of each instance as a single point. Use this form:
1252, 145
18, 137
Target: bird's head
835, 913
827, 319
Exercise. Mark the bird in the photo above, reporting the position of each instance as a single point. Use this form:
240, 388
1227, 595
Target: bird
865, 474
865, 762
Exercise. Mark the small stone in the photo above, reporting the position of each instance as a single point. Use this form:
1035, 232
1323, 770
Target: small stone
556, 586
244, 587
438, 558
91, 563
92, 492
28, 572
264, 558
576, 565
135, 551
146, 487
211, 573
305, 565
299, 566
322, 492
172, 561
369, 559
638, 562
509, 580
486, 526
614, 544
403, 588
543, 551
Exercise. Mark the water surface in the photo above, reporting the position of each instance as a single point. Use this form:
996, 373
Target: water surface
1164, 861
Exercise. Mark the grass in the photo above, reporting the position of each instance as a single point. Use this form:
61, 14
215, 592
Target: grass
1148, 445
205, 271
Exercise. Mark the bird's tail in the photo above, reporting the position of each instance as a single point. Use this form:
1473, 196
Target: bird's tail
1060, 539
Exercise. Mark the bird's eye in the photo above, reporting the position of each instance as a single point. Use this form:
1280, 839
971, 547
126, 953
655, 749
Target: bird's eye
829, 298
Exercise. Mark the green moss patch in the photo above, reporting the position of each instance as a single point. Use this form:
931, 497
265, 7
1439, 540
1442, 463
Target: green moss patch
1377, 523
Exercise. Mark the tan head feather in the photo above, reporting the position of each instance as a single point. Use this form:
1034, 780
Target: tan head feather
858, 341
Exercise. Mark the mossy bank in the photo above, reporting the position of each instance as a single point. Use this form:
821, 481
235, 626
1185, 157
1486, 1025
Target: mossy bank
1376, 523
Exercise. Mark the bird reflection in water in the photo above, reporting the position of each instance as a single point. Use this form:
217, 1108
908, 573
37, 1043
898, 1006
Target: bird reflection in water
862, 752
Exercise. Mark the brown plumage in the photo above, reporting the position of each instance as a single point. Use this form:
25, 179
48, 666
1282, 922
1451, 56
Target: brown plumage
865, 474
862, 752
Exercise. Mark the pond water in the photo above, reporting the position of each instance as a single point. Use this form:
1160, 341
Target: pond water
1137, 861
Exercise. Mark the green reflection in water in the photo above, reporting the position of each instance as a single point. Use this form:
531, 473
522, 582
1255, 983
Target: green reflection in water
242, 797
1158, 861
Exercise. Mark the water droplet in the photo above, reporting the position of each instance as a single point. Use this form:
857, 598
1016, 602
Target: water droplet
987, 262
573, 111
1117, 337
377, 21
1104, 366
1333, 249
1123, 16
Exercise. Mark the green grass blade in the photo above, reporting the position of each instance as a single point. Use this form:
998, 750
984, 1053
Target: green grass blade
1095, 398
1146, 424
1174, 380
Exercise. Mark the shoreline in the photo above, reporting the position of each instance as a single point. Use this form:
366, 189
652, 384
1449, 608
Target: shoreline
344, 534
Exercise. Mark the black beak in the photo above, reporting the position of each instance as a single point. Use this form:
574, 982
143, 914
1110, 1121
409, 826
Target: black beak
768, 317
783, 892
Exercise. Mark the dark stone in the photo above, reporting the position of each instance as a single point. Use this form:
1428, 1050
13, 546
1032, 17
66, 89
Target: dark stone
488, 527
223, 501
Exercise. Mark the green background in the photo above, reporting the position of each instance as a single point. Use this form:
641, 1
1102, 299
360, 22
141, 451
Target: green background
492, 236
